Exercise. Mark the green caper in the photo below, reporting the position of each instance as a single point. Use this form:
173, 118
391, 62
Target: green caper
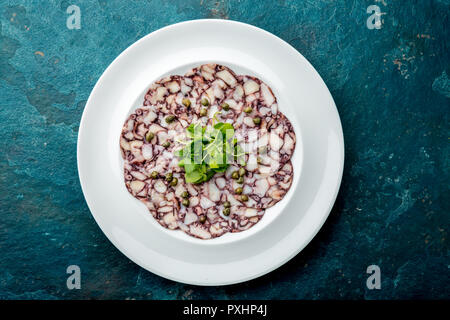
235, 175
154, 175
186, 102
241, 172
203, 112
226, 211
185, 194
244, 197
227, 204
169, 119
149, 136
185, 202
238, 190
259, 160
174, 182
225, 106
204, 102
240, 180
256, 121
169, 176
202, 218
166, 144
248, 109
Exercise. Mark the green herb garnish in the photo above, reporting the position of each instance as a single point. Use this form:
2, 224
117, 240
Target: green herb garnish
209, 150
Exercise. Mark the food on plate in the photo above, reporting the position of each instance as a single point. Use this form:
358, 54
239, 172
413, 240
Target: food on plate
208, 152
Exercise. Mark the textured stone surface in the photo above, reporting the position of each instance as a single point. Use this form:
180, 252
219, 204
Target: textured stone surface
392, 91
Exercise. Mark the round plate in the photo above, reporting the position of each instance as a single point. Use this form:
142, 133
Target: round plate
287, 227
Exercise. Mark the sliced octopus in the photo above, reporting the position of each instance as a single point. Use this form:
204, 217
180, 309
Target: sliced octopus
148, 143
263, 190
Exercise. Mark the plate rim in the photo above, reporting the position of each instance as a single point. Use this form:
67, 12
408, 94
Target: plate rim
281, 262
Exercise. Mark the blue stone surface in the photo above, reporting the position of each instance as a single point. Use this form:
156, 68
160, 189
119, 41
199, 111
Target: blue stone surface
392, 90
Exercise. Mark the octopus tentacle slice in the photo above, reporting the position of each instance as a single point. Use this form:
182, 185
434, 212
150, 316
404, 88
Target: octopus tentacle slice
148, 143
263, 190
219, 85
260, 97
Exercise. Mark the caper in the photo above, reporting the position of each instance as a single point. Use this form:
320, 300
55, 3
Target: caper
185, 202
244, 197
169, 119
154, 175
235, 175
204, 102
186, 102
226, 211
174, 182
227, 204
240, 180
203, 112
259, 160
185, 194
149, 136
248, 109
225, 106
256, 121
166, 144
169, 176
241, 172
238, 190
202, 218
262, 150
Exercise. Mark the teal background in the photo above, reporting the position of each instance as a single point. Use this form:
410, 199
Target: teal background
392, 91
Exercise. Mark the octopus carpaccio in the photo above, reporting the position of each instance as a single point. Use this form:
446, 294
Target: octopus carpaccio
148, 144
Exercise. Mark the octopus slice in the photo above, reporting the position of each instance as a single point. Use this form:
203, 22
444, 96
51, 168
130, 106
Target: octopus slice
145, 133
169, 94
204, 217
266, 191
262, 190
162, 203
259, 97
268, 148
218, 85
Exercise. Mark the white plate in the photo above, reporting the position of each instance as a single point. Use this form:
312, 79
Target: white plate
287, 227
